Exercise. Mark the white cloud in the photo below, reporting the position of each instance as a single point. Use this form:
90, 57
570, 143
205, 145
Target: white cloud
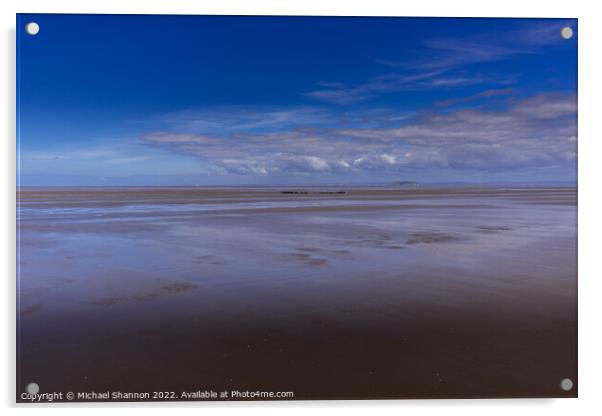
535, 132
389, 159
317, 163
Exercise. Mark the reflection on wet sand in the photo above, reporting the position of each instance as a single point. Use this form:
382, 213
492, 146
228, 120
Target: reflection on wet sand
330, 293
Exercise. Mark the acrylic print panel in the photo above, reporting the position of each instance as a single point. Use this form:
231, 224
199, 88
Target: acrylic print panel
239, 207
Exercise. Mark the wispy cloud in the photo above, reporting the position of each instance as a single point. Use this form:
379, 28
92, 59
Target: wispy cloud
495, 92
451, 53
236, 119
84, 154
439, 79
442, 64
246, 118
117, 157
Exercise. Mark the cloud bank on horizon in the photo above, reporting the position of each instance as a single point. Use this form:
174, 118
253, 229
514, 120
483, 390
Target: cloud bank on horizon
467, 100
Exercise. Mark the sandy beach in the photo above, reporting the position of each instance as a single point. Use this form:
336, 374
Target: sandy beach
327, 292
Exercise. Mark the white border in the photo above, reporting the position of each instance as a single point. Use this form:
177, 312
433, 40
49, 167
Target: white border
590, 177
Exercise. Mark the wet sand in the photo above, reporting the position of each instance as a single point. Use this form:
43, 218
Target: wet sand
354, 293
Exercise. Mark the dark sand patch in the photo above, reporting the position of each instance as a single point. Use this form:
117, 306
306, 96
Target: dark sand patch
178, 287
321, 250
384, 241
144, 296
170, 288
31, 310
208, 259
492, 229
309, 249
107, 301
307, 259
430, 237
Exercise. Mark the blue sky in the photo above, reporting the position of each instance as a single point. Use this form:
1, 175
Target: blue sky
211, 100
